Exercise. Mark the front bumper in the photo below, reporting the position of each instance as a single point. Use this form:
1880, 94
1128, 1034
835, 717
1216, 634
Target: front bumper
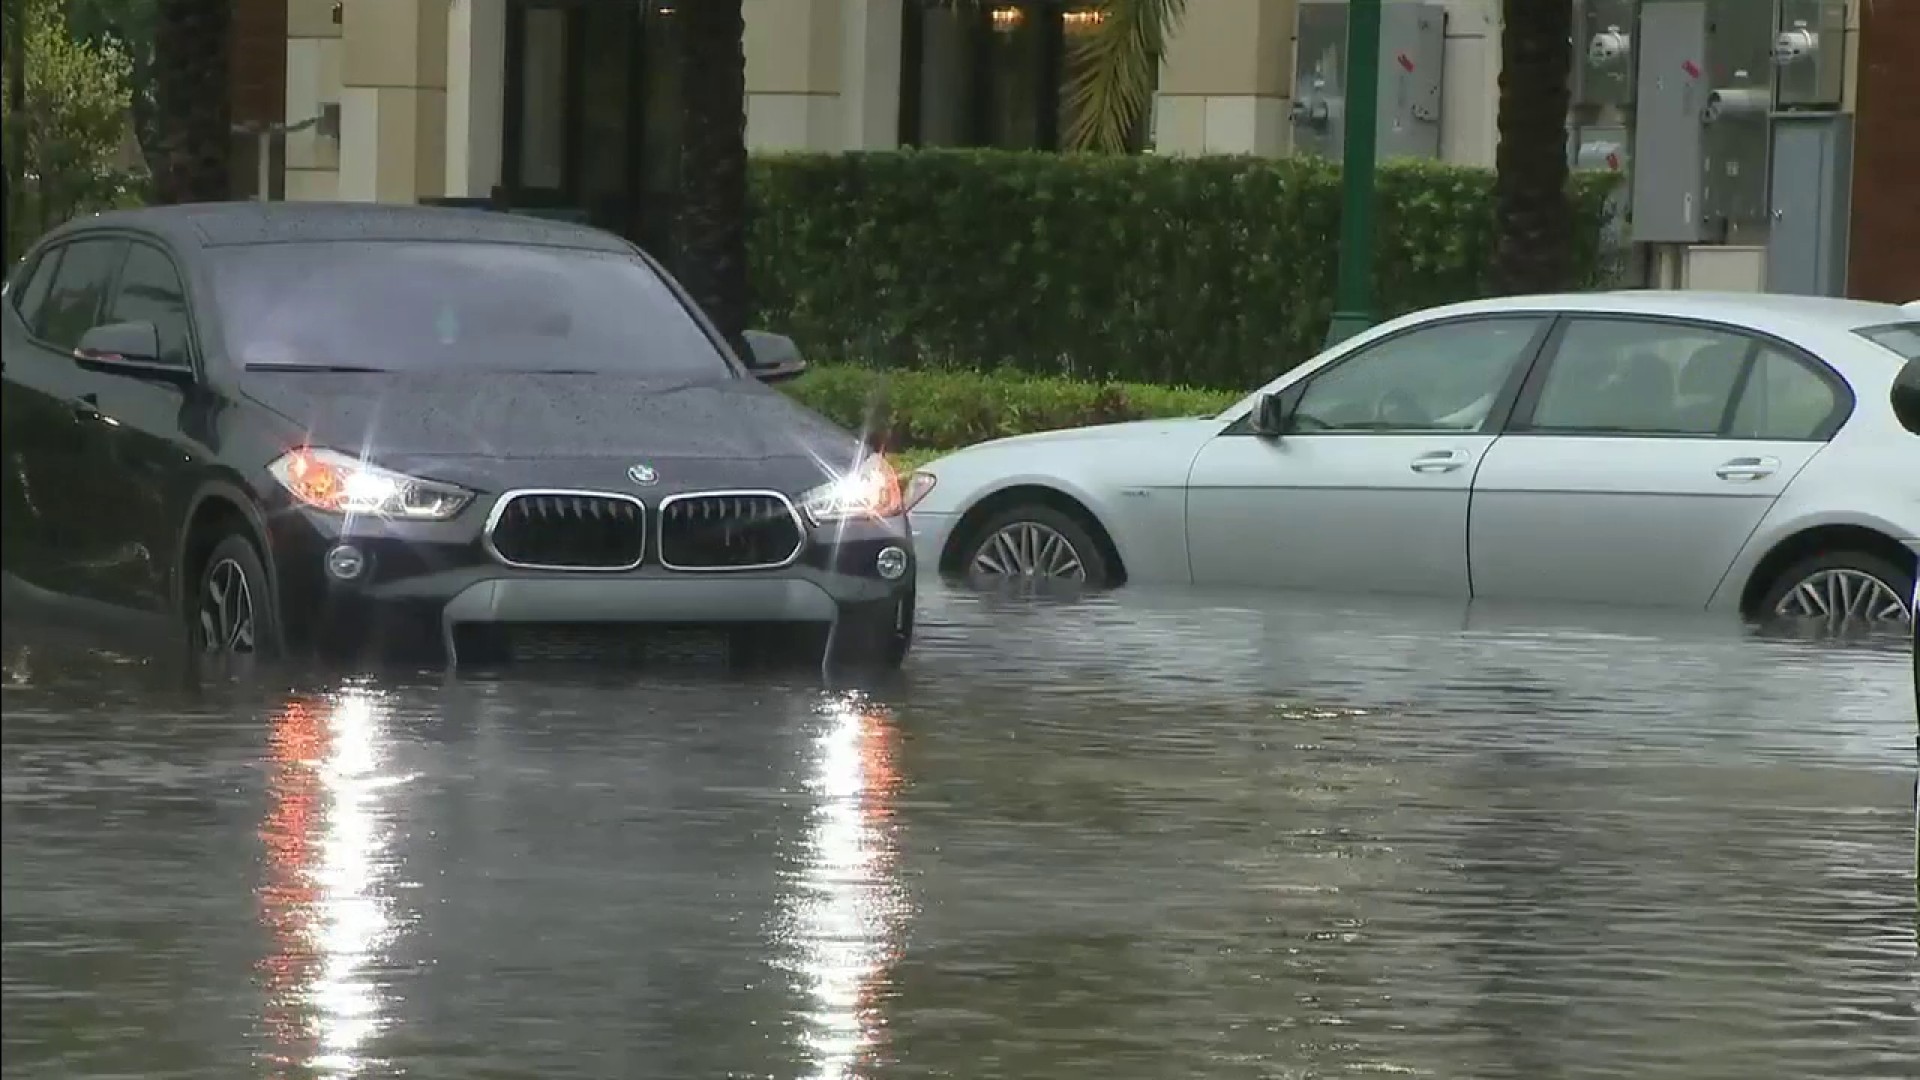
423, 582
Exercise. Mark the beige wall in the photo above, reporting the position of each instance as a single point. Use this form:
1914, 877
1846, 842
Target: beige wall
823, 74
313, 81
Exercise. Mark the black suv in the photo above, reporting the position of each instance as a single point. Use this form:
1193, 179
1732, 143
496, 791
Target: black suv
287, 427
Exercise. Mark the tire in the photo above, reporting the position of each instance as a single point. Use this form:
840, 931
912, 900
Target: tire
218, 632
1899, 581
1085, 550
873, 636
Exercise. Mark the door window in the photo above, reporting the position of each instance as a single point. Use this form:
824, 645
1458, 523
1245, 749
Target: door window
80, 285
1784, 399
1436, 378
33, 291
1631, 377
150, 292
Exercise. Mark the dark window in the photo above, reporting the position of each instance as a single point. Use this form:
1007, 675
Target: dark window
418, 306
1784, 399
29, 294
1634, 377
995, 75
1902, 339
1436, 378
79, 287
150, 291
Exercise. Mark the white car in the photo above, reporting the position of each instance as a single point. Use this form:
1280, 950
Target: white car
1727, 452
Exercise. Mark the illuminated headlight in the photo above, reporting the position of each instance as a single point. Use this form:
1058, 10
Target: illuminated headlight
340, 484
869, 490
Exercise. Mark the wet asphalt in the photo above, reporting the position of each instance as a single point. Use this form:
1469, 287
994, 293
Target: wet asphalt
1134, 836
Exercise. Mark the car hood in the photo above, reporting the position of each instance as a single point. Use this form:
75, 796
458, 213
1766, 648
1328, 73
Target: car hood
537, 415
1144, 431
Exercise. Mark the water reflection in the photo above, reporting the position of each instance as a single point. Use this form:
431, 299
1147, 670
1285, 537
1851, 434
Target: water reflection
327, 900
844, 920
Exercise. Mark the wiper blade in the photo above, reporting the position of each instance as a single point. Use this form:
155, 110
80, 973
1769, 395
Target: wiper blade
333, 369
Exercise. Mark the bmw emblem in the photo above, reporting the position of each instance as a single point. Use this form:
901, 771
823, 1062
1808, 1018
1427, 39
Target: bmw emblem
643, 475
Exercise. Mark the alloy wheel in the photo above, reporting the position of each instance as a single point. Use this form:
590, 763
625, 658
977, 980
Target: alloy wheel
1029, 549
226, 610
1844, 596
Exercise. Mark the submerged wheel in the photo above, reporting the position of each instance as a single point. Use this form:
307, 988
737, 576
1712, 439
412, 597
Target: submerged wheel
872, 635
1035, 541
231, 613
1850, 588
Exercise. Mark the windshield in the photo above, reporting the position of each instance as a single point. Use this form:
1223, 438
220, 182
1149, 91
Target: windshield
433, 306
1903, 339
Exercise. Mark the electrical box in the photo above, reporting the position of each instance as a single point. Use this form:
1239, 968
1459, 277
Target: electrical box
1412, 51
1702, 100
1603, 52
1812, 183
1810, 54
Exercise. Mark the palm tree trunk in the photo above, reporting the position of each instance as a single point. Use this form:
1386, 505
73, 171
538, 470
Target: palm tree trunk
1534, 250
710, 225
192, 121
13, 173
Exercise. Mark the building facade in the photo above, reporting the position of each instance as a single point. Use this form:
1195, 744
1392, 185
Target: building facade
573, 103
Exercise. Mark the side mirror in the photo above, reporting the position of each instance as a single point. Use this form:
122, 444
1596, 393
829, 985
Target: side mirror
1906, 396
127, 348
773, 357
1273, 413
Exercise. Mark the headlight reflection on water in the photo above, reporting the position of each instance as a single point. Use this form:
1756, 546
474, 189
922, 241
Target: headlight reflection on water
326, 899
847, 908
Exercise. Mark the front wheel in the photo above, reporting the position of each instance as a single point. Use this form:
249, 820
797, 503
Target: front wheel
1035, 541
872, 635
231, 613
1853, 589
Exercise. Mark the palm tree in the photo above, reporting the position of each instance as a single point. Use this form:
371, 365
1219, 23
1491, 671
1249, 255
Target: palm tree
1114, 69
192, 110
1534, 215
710, 224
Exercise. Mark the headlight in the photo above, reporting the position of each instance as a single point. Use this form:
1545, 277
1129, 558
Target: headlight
869, 490
919, 486
340, 484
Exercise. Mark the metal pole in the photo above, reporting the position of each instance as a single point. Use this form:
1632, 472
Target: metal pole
1353, 304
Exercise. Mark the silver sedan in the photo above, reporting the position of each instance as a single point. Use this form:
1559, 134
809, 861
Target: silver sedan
1728, 452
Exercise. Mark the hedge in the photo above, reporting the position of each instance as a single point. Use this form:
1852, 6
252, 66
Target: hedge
916, 413
1215, 271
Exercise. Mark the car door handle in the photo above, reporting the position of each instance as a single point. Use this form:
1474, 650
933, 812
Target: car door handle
1439, 461
1748, 468
87, 408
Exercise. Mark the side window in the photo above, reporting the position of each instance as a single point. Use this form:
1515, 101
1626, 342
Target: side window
150, 291
1437, 378
1633, 377
79, 287
1783, 400
33, 291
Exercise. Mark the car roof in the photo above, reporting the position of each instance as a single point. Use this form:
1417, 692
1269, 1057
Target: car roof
1780, 314
234, 224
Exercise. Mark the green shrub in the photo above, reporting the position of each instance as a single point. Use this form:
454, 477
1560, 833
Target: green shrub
944, 410
1215, 271
74, 131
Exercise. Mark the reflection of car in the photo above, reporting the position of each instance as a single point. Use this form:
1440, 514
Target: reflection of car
311, 423
1733, 452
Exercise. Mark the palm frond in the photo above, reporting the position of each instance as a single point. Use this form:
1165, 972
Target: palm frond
1114, 71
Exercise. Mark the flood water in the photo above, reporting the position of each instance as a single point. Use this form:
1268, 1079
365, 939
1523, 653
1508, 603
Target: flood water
1130, 837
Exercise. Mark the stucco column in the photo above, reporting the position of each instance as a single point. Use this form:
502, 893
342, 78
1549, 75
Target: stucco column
313, 89
476, 94
870, 74
1226, 80
794, 50
393, 100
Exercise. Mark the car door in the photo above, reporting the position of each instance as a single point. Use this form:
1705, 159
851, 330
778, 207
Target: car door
143, 426
1368, 489
27, 422
59, 454
1641, 456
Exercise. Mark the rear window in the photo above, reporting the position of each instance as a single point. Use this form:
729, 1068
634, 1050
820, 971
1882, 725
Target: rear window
438, 306
1902, 339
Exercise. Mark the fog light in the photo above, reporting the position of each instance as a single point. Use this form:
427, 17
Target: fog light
891, 563
345, 562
